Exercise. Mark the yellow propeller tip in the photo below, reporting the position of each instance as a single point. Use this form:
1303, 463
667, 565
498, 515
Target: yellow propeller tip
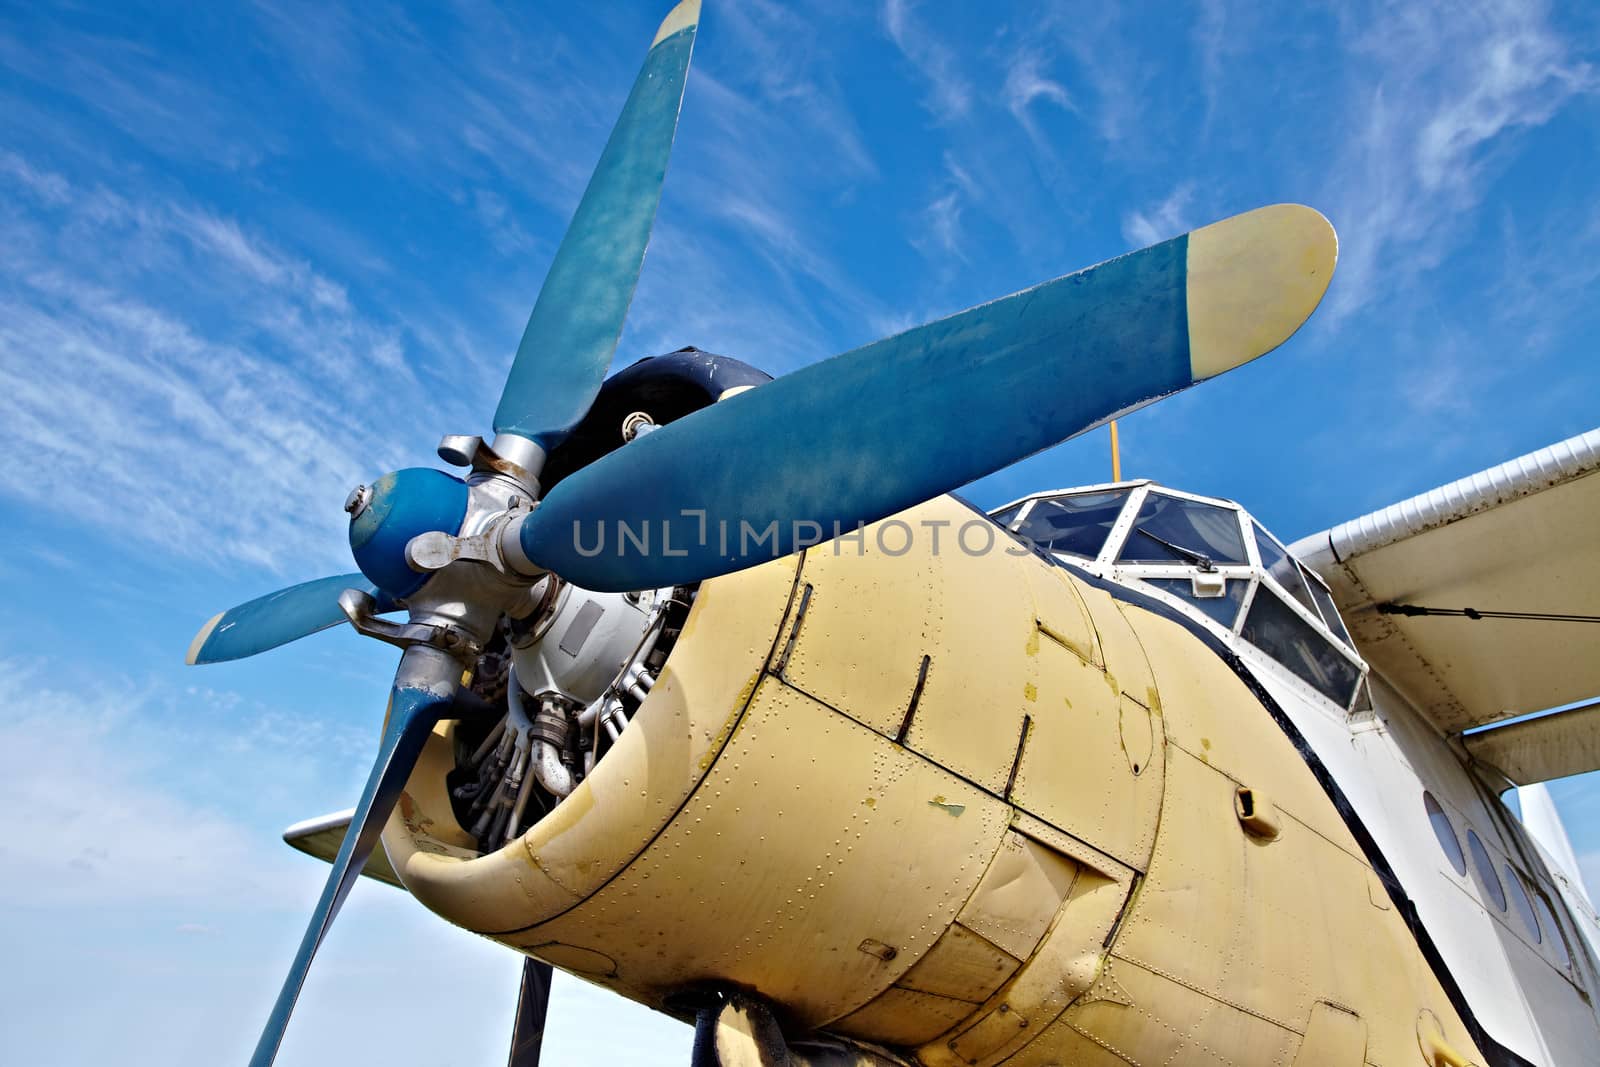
683, 16
1253, 280
201, 638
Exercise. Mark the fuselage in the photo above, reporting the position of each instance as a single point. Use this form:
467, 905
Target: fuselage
940, 790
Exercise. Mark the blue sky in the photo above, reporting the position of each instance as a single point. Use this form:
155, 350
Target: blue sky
253, 255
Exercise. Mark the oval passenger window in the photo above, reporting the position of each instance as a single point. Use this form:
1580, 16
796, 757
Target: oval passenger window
1445, 833
1524, 905
1485, 868
1558, 944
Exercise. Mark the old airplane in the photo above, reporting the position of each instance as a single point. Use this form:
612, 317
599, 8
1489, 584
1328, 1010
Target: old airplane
711, 695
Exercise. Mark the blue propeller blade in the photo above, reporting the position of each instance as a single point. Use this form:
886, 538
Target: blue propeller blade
578, 317
415, 704
278, 618
533, 1006
874, 431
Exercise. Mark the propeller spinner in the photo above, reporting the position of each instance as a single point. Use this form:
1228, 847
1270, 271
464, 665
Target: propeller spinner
841, 443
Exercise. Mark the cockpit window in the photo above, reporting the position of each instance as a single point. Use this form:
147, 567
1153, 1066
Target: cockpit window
1075, 524
1278, 563
1005, 518
1276, 629
1324, 599
1170, 529
1222, 609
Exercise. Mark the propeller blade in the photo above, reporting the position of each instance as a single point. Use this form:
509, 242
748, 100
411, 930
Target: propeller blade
876, 430
578, 317
278, 618
533, 1004
417, 701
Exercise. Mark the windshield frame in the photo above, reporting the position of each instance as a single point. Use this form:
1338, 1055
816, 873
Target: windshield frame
1253, 571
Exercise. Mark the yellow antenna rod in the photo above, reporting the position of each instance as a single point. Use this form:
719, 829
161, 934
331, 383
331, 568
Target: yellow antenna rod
1116, 454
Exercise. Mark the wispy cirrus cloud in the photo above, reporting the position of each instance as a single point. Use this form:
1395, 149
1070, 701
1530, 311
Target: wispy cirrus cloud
135, 90
1026, 84
942, 233
787, 60
147, 343
949, 93
1436, 90
1162, 220
1106, 48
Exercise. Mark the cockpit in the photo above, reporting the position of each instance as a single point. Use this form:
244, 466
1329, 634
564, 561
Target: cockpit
1208, 558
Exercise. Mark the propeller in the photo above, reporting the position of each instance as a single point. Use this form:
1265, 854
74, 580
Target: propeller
533, 1004
866, 434
578, 316
418, 700
841, 443
278, 618
558, 369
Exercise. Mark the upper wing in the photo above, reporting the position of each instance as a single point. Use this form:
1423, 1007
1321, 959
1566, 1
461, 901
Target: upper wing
1519, 537
1542, 747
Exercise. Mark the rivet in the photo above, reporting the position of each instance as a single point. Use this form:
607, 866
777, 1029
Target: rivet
357, 501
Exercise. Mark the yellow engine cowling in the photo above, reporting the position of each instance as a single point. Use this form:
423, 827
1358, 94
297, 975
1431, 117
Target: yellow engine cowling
954, 800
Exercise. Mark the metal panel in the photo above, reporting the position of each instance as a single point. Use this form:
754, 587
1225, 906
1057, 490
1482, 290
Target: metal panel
1074, 772
873, 617
961, 965
1335, 1037
1019, 895
905, 1017
867, 860
596, 831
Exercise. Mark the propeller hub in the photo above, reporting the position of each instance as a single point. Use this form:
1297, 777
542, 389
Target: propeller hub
399, 507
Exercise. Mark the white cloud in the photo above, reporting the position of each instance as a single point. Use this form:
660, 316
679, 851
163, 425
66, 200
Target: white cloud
949, 94
943, 221
1025, 84
50, 189
740, 260
1434, 90
788, 55
1161, 221
1214, 43
146, 344
939, 234
138, 93
1521, 77
1107, 47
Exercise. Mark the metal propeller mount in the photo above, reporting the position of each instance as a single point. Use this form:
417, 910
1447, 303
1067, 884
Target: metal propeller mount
844, 442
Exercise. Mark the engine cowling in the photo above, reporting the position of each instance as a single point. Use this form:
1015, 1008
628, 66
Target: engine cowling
821, 799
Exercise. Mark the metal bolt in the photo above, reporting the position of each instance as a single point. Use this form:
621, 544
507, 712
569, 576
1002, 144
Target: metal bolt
458, 449
358, 500
637, 424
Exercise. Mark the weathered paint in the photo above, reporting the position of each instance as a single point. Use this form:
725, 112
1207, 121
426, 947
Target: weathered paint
1253, 280
885, 426
1091, 906
404, 504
